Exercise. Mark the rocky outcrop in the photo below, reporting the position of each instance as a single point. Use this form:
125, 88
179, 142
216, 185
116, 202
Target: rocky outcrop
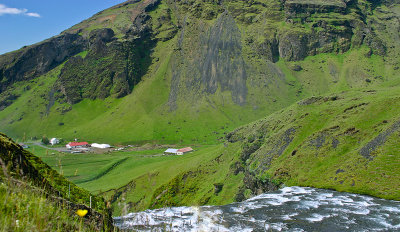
105, 71
217, 63
222, 63
327, 33
294, 8
368, 150
296, 45
314, 27
256, 185
33, 61
111, 67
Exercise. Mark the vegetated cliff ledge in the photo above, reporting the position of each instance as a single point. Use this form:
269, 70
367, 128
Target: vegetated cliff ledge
20, 167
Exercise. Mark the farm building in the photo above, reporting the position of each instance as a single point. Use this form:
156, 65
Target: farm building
76, 145
184, 150
181, 151
54, 141
96, 145
170, 151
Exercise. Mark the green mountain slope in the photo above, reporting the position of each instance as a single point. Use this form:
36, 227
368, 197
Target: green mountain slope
35, 197
188, 72
347, 142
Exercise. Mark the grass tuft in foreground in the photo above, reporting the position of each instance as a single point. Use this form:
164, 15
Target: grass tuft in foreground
26, 208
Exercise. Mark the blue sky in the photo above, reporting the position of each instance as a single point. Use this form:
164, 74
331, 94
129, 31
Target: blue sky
25, 22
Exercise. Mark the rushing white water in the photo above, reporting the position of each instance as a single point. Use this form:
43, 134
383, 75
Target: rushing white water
289, 209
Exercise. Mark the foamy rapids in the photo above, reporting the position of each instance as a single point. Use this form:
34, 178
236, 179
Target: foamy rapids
289, 209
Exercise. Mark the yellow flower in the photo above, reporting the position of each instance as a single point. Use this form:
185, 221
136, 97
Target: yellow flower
81, 212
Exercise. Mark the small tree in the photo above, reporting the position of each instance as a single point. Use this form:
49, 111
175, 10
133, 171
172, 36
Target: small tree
45, 140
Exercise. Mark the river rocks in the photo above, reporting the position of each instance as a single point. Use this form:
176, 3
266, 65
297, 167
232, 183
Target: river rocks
256, 185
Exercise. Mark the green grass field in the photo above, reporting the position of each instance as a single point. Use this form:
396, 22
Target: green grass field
106, 173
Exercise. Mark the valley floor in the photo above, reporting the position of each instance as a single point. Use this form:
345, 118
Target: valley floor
113, 173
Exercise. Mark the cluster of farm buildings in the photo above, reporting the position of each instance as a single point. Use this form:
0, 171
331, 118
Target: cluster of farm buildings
83, 146
86, 144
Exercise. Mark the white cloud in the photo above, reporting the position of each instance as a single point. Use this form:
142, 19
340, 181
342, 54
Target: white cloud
33, 15
15, 11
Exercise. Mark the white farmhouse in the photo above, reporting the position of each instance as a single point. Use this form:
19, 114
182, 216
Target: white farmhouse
54, 141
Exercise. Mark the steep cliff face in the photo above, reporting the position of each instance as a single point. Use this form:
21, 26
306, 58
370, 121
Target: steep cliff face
214, 62
315, 27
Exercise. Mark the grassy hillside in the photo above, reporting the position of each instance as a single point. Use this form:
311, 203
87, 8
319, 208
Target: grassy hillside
347, 141
36, 197
28, 209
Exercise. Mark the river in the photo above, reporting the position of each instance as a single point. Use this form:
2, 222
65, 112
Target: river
288, 209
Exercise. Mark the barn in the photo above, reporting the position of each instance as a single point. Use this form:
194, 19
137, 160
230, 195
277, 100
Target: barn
184, 150
170, 151
77, 145
102, 146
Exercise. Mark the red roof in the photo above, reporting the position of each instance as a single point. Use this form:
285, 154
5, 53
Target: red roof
75, 144
186, 149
